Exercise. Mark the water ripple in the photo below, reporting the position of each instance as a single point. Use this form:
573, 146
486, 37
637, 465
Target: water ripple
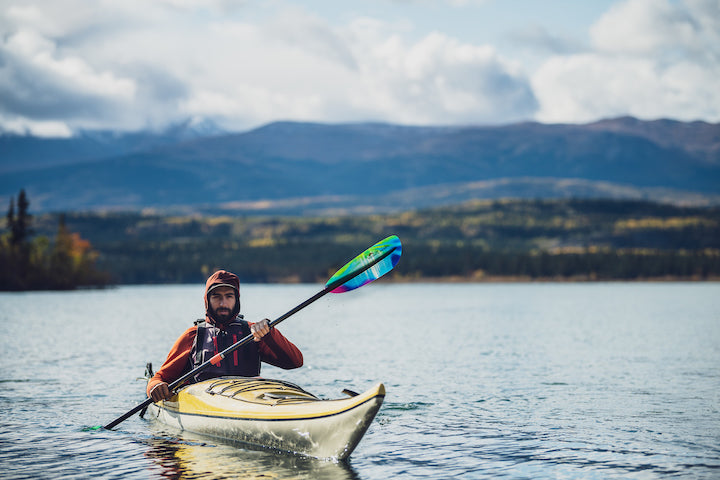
614, 381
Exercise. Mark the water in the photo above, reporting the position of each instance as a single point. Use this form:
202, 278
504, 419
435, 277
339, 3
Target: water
517, 381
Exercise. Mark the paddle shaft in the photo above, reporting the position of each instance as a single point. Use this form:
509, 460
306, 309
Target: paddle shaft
216, 359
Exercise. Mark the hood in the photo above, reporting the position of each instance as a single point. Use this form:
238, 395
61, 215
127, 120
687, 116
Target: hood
221, 278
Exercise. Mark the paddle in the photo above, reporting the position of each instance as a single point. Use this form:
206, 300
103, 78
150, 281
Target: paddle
370, 265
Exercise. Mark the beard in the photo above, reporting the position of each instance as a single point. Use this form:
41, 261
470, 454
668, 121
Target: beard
222, 315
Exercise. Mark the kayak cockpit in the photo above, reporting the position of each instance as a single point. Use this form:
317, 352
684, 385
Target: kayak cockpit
259, 390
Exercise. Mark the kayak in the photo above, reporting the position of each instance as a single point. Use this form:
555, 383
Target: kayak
273, 414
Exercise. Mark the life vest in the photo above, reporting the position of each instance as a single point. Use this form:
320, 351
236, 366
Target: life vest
210, 340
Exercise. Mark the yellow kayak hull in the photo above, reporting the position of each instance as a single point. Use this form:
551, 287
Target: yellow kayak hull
273, 414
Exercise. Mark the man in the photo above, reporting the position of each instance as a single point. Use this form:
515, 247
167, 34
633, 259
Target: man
221, 328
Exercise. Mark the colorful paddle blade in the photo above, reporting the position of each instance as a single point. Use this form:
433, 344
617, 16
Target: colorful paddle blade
370, 265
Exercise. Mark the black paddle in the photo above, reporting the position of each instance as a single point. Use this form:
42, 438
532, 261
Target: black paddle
370, 265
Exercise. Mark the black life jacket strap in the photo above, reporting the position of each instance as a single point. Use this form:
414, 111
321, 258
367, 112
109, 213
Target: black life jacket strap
200, 322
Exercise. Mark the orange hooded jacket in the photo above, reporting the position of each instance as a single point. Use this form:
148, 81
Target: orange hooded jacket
274, 348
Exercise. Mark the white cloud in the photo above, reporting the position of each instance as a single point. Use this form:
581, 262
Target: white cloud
134, 64
442, 80
46, 90
649, 58
39, 54
24, 126
657, 28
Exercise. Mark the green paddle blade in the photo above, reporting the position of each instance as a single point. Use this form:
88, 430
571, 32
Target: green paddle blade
370, 265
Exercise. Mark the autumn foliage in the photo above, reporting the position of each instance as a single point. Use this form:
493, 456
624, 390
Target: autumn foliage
36, 263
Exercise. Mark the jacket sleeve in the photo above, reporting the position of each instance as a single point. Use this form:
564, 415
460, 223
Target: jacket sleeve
177, 362
277, 350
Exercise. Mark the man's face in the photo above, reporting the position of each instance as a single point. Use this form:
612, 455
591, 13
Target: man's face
222, 303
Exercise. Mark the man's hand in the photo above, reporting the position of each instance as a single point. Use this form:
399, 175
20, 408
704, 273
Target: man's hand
160, 392
260, 329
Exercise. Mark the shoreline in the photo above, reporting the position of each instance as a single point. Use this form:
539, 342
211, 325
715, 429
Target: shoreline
428, 280
583, 279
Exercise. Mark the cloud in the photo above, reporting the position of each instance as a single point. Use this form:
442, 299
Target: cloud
439, 79
55, 77
135, 64
649, 58
47, 90
660, 29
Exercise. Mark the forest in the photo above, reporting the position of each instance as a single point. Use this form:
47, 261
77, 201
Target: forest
34, 262
502, 240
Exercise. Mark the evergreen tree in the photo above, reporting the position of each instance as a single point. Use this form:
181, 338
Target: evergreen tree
20, 226
11, 216
32, 264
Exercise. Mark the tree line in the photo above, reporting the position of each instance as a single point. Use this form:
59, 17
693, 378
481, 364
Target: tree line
566, 239
34, 262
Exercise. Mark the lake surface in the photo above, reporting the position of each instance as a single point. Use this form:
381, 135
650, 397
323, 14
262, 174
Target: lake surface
516, 381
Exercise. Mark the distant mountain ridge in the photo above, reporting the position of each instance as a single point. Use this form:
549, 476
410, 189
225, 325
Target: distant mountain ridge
700, 138
22, 152
301, 168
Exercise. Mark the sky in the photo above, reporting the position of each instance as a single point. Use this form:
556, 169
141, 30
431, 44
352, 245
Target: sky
72, 65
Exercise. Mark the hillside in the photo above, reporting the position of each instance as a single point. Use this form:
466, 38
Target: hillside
551, 239
302, 168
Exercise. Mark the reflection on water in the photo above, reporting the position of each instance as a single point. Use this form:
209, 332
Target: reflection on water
182, 455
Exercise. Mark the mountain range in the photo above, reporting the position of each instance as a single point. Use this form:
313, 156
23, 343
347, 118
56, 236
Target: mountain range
311, 168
